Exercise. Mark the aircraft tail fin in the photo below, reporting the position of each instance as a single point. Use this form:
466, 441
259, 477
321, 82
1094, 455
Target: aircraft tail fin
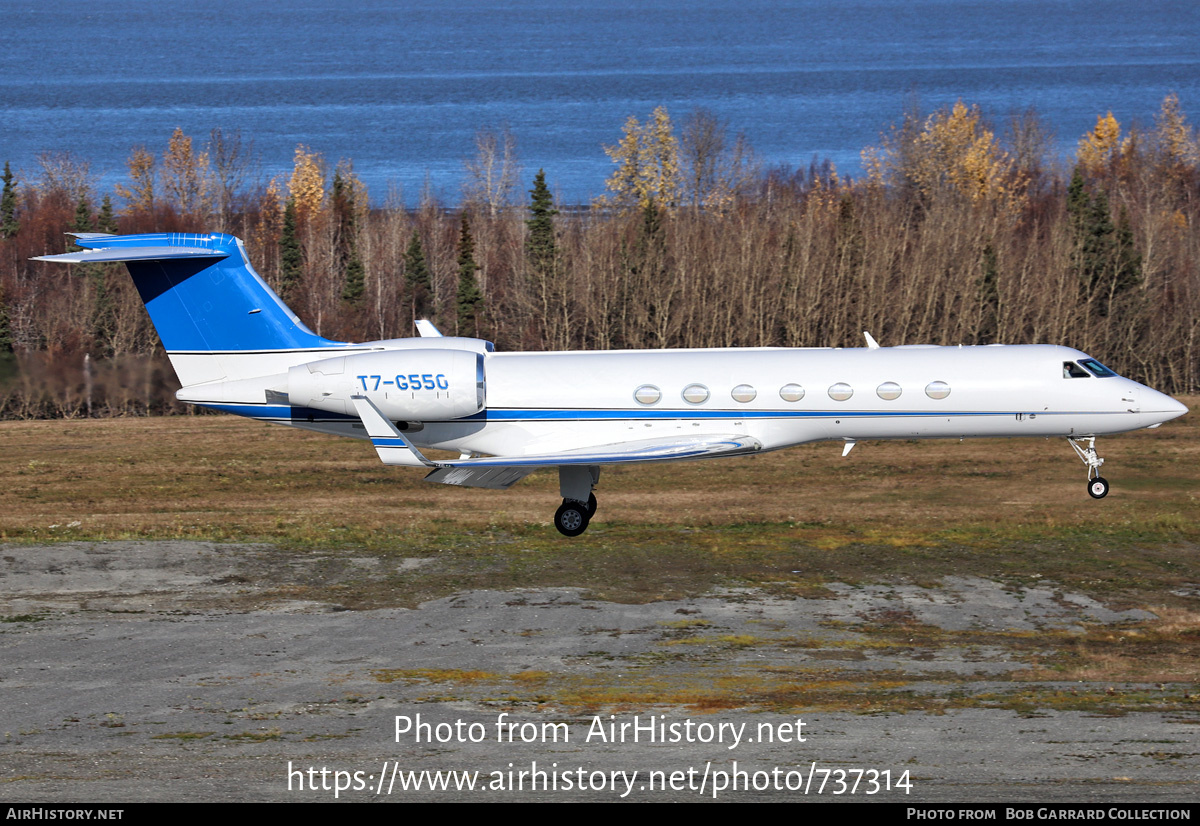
216, 316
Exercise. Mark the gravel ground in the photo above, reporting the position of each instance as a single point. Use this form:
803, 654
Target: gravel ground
169, 671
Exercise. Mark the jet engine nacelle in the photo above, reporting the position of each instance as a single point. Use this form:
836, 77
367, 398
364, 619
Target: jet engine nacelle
412, 385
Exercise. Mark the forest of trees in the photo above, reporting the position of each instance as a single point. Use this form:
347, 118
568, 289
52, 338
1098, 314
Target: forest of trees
959, 232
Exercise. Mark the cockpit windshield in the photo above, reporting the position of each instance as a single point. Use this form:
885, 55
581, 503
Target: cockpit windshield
1071, 370
1097, 369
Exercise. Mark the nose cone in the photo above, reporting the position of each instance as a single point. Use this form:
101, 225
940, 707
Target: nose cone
1159, 407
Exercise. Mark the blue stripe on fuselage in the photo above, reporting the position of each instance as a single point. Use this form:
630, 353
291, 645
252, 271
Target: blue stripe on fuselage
276, 412
532, 414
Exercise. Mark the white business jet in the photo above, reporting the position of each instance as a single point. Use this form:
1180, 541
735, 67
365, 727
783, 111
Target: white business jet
236, 347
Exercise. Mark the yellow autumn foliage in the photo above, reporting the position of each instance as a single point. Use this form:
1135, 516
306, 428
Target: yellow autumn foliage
307, 184
955, 149
647, 159
826, 192
270, 215
664, 158
1099, 147
951, 151
140, 192
1176, 138
186, 176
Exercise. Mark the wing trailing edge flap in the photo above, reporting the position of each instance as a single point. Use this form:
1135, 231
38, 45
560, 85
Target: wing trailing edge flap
496, 478
505, 471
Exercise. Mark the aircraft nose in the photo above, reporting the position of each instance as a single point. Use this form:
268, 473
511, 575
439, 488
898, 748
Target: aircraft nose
1159, 407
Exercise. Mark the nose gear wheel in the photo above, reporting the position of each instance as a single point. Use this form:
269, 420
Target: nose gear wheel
1085, 448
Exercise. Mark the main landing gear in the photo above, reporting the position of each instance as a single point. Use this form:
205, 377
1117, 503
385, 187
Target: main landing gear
579, 503
572, 517
1097, 485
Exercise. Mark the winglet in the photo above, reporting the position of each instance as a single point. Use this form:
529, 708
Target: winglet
390, 444
871, 342
426, 329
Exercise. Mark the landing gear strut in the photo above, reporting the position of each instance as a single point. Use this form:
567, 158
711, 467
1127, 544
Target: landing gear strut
1097, 485
579, 503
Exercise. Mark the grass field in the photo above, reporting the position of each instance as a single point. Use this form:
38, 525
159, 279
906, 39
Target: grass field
914, 510
786, 524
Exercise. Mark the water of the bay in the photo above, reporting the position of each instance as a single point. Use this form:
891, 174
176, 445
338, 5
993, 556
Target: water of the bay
401, 88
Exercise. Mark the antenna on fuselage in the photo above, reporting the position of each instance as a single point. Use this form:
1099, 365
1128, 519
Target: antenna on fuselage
871, 342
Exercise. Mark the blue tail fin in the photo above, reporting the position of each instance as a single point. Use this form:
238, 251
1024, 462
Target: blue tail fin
206, 301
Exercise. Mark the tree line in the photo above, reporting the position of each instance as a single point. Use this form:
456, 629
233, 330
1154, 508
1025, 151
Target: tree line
958, 232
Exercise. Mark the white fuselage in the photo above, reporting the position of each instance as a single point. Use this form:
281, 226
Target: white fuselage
541, 402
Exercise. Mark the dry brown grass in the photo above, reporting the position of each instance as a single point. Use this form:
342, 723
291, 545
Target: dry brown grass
1163, 651
228, 478
787, 523
815, 685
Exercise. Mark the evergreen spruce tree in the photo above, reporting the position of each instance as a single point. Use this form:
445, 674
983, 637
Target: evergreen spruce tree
343, 217
82, 222
9, 225
469, 302
107, 220
1077, 200
355, 284
989, 298
1127, 261
417, 282
83, 217
1096, 243
1105, 256
540, 249
291, 256
650, 252
6, 342
343, 213
541, 263
8, 360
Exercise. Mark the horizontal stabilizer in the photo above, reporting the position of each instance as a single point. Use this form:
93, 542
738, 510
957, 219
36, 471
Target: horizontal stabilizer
131, 254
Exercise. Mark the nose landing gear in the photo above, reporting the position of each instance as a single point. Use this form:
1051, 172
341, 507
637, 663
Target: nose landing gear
1097, 485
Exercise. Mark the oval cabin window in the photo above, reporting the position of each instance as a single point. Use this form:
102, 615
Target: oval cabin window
647, 394
695, 393
937, 390
744, 393
791, 392
889, 390
841, 391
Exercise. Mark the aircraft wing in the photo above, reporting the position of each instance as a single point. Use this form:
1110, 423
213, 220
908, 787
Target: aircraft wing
504, 471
